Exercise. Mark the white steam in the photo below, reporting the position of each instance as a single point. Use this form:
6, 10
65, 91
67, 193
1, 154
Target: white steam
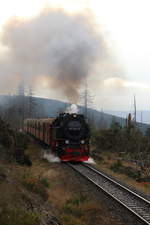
90, 161
51, 157
72, 109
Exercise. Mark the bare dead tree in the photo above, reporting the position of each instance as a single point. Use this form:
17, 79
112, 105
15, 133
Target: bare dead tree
21, 103
86, 99
135, 110
31, 104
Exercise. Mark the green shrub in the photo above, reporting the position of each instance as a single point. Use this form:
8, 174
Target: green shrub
71, 220
22, 140
10, 216
132, 172
45, 182
96, 155
34, 185
117, 166
73, 206
13, 144
129, 171
77, 200
23, 159
72, 210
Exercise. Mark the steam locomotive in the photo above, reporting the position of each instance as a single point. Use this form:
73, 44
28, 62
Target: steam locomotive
67, 135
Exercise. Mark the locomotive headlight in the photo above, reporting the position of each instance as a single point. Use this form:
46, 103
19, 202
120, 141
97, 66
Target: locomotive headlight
66, 141
82, 141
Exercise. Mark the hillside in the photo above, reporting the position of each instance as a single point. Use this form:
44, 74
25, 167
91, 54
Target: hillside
50, 108
140, 115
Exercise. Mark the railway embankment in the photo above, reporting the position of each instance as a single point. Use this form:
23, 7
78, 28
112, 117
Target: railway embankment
49, 193
126, 172
132, 208
123, 154
24, 196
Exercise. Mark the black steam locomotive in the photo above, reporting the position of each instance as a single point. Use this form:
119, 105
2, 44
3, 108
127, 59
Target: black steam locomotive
67, 135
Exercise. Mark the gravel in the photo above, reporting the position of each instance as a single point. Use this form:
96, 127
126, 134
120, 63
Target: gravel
128, 199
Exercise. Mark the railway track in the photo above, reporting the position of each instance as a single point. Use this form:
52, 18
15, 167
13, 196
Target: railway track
136, 204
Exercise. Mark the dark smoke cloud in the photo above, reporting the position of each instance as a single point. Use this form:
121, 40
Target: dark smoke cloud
63, 47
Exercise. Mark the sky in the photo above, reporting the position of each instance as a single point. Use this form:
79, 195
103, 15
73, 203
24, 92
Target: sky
126, 29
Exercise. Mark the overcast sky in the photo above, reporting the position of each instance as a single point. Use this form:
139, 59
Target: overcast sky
126, 27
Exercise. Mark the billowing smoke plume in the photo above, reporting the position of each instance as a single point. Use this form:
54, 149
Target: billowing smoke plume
63, 48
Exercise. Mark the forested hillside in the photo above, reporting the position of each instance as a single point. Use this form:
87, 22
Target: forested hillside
16, 108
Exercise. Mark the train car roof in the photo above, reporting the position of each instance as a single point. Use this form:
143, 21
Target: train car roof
41, 121
47, 120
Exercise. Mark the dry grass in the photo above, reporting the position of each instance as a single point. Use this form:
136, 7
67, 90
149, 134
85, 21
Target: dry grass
87, 212
18, 216
106, 164
73, 207
12, 205
64, 193
34, 185
18, 194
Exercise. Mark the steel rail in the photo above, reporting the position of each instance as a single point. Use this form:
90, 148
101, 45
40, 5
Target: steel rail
135, 203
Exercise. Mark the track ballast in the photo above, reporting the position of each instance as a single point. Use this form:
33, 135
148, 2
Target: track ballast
129, 199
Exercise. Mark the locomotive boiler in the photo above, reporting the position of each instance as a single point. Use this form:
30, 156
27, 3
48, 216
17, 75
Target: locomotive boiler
67, 135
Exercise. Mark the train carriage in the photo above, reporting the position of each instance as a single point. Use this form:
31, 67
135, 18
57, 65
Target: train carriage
67, 135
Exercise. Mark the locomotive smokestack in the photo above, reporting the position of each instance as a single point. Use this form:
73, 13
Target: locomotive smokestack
61, 47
